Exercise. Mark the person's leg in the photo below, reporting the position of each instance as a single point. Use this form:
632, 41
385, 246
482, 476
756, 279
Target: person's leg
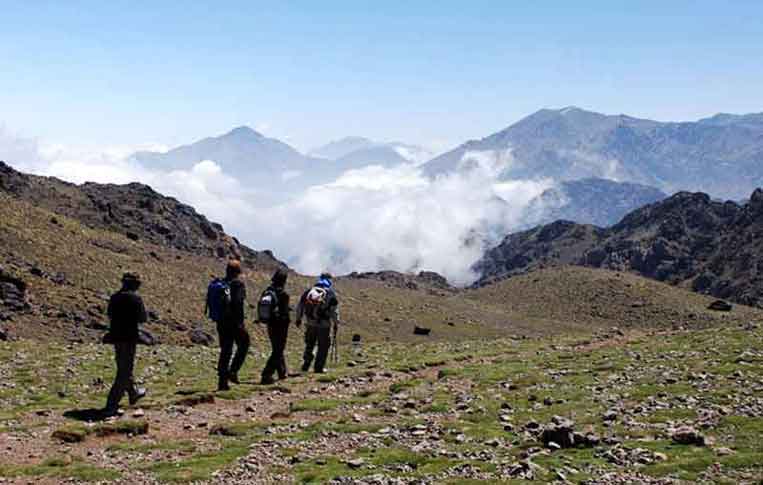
283, 336
223, 363
271, 364
324, 343
243, 341
130, 350
123, 379
311, 337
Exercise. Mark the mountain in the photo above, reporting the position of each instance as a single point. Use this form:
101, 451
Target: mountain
356, 152
264, 164
240, 151
338, 148
688, 240
721, 155
590, 201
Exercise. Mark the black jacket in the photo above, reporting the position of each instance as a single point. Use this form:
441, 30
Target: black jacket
236, 315
126, 312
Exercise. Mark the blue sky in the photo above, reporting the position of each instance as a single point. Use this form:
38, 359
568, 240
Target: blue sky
435, 73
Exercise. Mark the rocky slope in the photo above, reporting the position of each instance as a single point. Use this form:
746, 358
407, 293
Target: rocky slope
721, 155
688, 240
134, 210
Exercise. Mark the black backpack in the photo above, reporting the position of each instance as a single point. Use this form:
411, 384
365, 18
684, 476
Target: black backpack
267, 306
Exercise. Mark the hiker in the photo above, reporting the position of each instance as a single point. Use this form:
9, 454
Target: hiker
319, 305
273, 310
126, 311
225, 306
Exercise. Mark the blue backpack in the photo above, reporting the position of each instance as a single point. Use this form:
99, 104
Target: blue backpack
218, 300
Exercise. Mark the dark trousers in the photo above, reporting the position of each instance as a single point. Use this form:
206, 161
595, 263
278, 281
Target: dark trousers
228, 337
124, 353
321, 336
278, 334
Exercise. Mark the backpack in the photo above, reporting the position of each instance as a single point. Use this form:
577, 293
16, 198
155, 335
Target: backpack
218, 300
316, 303
267, 306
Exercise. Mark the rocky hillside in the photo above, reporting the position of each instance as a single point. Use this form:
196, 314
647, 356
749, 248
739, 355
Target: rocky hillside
133, 210
721, 155
688, 240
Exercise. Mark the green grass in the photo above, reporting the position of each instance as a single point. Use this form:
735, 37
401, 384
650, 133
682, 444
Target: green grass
63, 467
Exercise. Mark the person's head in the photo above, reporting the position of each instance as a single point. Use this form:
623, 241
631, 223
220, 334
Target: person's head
130, 281
233, 269
325, 280
279, 278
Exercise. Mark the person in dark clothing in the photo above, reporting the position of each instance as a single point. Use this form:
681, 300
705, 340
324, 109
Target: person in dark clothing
319, 322
278, 330
232, 331
126, 312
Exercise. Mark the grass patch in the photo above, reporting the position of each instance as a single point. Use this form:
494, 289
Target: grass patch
315, 405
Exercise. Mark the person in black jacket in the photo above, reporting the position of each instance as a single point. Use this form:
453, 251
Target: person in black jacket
126, 312
231, 330
278, 330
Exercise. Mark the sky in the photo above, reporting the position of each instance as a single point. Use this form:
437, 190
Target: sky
122, 73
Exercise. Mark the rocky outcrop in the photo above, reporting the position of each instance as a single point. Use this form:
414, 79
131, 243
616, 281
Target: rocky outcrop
12, 295
688, 239
423, 280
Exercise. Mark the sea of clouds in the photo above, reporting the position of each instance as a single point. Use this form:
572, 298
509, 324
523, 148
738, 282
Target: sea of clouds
368, 219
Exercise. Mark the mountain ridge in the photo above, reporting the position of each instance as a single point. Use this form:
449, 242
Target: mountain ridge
573, 143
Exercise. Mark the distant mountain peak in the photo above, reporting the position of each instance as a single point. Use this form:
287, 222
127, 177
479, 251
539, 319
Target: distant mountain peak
244, 131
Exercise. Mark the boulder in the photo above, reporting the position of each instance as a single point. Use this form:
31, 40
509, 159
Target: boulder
686, 435
720, 306
200, 337
421, 330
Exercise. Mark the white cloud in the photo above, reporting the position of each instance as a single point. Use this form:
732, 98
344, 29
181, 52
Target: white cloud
368, 219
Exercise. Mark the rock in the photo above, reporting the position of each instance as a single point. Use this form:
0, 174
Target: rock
356, 463
724, 451
610, 415
200, 337
720, 306
146, 338
3, 335
560, 433
421, 330
686, 435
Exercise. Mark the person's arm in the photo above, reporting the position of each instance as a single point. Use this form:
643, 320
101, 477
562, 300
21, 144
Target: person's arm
283, 311
300, 309
238, 298
334, 310
140, 309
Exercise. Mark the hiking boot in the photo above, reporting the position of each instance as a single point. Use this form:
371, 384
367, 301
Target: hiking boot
109, 413
140, 393
322, 371
234, 378
222, 385
305, 367
266, 381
